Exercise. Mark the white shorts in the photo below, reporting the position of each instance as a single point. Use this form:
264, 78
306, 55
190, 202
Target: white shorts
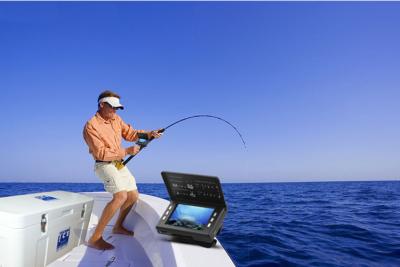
115, 180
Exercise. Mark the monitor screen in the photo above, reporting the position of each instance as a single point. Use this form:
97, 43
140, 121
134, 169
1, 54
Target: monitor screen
188, 216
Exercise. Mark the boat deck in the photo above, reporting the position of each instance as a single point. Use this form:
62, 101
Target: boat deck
146, 247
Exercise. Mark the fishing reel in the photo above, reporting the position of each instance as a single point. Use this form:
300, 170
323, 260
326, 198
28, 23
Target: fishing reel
144, 139
142, 143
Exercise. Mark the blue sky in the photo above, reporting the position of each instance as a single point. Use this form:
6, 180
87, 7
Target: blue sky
313, 87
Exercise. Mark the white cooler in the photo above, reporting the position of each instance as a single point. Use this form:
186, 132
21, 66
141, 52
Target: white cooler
36, 229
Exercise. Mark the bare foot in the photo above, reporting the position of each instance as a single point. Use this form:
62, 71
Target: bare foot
99, 244
122, 231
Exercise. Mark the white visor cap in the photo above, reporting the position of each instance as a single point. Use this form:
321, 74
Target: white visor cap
113, 101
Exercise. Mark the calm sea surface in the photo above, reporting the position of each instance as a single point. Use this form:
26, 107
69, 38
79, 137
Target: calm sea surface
294, 224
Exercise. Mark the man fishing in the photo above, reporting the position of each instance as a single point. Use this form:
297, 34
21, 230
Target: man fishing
103, 134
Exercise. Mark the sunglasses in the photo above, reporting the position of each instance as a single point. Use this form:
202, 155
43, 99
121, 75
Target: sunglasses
110, 106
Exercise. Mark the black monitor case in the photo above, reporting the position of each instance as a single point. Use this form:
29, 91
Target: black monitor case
196, 190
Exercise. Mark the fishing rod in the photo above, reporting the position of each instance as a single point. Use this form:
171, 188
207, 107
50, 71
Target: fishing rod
144, 141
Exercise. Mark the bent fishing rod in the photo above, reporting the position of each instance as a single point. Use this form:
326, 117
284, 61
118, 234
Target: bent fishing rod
144, 140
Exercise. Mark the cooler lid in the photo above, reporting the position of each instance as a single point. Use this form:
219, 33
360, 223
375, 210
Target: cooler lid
194, 188
21, 211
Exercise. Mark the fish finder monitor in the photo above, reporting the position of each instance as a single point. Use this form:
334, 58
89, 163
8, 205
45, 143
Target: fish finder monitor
197, 208
191, 217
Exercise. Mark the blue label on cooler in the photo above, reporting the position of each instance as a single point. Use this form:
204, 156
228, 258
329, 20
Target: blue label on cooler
63, 238
45, 198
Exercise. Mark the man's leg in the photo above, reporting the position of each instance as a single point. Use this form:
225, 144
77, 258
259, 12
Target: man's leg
96, 241
132, 197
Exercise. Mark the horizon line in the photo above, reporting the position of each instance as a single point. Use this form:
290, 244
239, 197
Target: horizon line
251, 182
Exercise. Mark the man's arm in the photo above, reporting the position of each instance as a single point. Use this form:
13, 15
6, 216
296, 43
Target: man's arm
97, 147
132, 135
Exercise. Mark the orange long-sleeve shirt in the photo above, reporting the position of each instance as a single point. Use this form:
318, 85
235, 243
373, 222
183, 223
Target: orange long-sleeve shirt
104, 137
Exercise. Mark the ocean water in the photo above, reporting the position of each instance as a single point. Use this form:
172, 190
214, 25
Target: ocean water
294, 224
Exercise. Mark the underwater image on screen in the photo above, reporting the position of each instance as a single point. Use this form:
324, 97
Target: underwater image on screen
191, 217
